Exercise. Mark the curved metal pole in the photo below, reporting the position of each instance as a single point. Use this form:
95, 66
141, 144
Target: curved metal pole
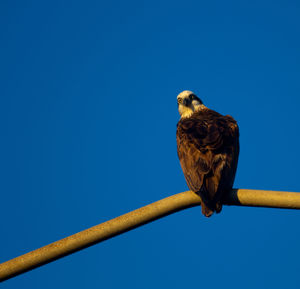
267, 199
135, 219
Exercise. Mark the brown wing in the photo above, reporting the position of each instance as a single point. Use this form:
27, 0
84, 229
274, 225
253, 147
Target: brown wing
207, 146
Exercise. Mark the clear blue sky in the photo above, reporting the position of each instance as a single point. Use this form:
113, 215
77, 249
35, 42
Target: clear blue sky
88, 117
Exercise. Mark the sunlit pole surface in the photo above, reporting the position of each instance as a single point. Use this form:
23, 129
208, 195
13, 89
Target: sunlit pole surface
136, 218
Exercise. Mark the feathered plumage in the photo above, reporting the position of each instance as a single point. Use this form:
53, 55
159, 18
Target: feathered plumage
208, 149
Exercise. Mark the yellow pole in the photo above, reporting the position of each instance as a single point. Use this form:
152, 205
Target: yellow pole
260, 198
135, 219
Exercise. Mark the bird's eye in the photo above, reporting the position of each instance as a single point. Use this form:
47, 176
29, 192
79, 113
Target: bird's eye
192, 96
179, 100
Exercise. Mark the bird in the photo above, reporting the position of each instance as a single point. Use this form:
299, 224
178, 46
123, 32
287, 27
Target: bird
208, 150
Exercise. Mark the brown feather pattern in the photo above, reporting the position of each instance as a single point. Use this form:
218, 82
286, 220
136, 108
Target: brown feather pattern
208, 149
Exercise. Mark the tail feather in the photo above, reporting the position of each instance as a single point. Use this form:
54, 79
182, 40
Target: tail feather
218, 207
206, 211
208, 207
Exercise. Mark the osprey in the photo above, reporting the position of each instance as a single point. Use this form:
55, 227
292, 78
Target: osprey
208, 149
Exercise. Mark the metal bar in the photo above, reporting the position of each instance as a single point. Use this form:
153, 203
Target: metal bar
260, 198
135, 219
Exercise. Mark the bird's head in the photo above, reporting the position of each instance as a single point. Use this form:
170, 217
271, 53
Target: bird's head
188, 103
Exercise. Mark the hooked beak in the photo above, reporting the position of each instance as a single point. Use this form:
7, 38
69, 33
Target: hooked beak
186, 102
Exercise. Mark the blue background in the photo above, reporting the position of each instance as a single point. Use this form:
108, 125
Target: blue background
88, 117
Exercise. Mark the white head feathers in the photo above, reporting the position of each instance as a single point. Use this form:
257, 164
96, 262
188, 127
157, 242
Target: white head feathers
188, 103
